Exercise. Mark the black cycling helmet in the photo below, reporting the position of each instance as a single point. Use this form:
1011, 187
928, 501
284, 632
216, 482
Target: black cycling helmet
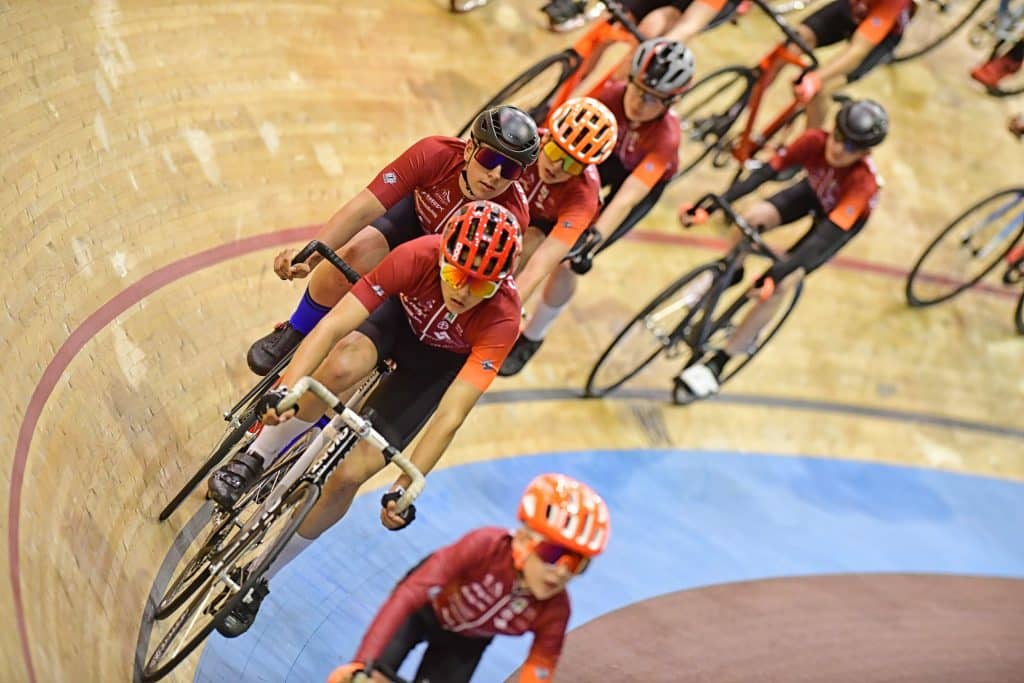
510, 131
862, 123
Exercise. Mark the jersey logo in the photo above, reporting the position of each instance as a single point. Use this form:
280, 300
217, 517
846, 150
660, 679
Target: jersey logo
446, 196
379, 291
542, 674
488, 365
390, 178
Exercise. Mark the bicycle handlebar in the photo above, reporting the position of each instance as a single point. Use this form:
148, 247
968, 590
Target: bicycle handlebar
792, 35
364, 430
750, 233
320, 248
621, 16
372, 668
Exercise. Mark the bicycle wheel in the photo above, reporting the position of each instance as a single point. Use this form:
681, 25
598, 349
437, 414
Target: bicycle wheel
231, 437
968, 248
722, 329
1018, 315
659, 328
707, 111
223, 522
933, 22
533, 89
240, 565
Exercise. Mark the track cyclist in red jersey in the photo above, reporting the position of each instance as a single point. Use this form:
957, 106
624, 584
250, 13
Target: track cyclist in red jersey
873, 29
636, 173
444, 309
492, 582
839, 191
563, 188
673, 19
413, 195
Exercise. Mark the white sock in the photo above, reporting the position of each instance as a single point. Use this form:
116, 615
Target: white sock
273, 438
543, 318
296, 544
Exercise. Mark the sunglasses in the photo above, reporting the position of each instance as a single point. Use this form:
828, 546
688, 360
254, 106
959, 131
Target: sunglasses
847, 145
650, 98
489, 158
554, 554
558, 155
478, 287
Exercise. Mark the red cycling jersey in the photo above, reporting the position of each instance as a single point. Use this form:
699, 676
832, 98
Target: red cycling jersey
878, 18
486, 332
571, 206
475, 591
650, 149
430, 169
846, 194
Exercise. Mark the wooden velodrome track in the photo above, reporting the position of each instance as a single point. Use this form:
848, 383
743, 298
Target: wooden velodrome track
153, 155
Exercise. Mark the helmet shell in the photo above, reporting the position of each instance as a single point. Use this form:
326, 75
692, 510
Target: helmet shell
567, 512
863, 123
584, 128
663, 66
483, 240
510, 131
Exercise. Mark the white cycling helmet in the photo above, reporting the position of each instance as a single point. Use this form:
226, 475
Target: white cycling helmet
663, 66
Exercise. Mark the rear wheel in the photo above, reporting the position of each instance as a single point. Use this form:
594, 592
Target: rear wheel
933, 23
707, 111
533, 89
1018, 315
234, 572
968, 248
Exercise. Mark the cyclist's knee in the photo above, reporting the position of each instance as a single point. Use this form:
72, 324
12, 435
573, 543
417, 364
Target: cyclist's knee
807, 35
348, 362
763, 216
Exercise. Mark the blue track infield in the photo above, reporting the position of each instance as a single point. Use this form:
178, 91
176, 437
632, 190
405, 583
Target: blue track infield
681, 519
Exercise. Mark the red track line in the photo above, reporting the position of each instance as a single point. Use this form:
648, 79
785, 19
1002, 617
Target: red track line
211, 257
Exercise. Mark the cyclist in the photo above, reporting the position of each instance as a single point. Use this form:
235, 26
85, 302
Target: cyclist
563, 188
414, 194
644, 160
1000, 66
674, 19
873, 28
839, 191
492, 582
445, 310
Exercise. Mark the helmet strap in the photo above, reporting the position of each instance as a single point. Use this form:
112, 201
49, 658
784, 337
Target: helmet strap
465, 180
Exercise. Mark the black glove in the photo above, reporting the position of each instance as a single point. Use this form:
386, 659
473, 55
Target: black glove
407, 515
271, 399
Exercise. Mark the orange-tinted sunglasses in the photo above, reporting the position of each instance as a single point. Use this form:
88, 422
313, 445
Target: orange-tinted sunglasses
478, 287
560, 556
556, 154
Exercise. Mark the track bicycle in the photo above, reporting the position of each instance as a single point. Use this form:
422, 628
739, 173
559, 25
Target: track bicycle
684, 328
985, 235
243, 424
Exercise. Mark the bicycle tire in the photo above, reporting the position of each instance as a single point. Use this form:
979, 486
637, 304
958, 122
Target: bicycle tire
296, 506
591, 388
229, 439
186, 581
714, 124
722, 322
915, 299
568, 60
899, 57
1018, 314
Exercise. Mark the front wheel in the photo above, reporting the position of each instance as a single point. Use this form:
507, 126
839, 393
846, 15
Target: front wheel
968, 248
1018, 315
533, 89
660, 328
933, 23
707, 111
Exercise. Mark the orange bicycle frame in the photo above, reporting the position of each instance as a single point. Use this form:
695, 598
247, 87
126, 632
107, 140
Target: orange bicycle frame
590, 47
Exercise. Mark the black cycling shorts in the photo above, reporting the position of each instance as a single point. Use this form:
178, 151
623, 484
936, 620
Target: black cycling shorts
834, 23
400, 224
449, 657
406, 398
815, 248
795, 202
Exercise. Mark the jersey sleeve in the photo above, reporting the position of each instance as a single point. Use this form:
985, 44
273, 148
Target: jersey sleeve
800, 150
661, 161
855, 201
576, 213
881, 20
488, 352
413, 168
396, 273
548, 638
414, 591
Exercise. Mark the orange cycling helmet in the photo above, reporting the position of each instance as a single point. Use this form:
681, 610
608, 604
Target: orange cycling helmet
566, 512
584, 128
482, 240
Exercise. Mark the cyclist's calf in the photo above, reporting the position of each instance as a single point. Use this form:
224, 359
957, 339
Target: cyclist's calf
340, 489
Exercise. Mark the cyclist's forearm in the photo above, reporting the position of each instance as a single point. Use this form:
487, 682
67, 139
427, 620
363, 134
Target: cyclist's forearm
436, 438
543, 261
697, 16
628, 196
847, 61
356, 214
753, 181
346, 316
